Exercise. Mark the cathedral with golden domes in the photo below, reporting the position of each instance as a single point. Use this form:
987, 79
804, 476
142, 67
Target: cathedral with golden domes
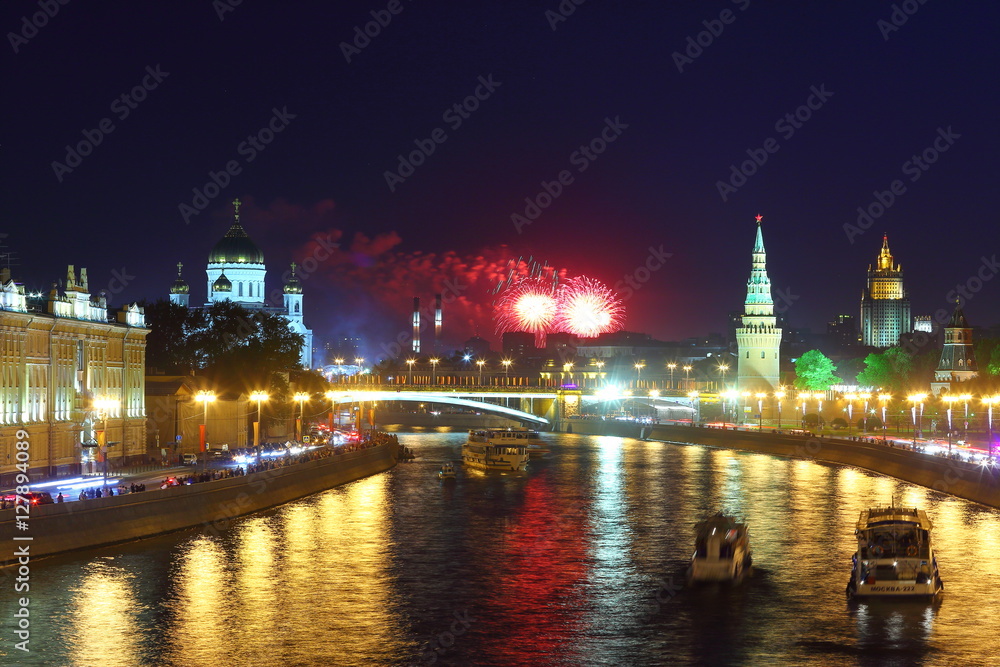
236, 273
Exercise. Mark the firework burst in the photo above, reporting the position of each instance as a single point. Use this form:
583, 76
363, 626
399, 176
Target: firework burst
529, 304
588, 308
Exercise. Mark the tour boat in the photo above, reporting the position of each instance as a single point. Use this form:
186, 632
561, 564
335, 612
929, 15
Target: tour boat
537, 447
894, 556
447, 471
722, 550
496, 449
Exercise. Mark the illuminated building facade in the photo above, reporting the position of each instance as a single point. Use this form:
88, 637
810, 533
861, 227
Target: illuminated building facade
958, 360
59, 356
885, 307
758, 340
236, 273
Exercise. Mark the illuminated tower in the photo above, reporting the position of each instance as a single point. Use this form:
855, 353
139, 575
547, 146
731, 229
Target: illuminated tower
885, 308
958, 360
759, 339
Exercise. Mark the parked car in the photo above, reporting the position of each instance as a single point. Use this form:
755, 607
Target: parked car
190, 459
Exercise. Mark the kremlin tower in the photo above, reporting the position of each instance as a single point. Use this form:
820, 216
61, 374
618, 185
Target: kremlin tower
759, 339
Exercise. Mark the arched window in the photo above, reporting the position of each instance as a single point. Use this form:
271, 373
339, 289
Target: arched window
239, 289
296, 308
762, 354
748, 354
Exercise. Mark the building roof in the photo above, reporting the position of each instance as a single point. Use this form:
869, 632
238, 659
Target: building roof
236, 248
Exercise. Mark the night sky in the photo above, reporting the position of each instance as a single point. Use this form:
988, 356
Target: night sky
880, 94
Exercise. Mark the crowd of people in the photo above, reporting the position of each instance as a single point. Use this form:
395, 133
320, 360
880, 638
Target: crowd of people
106, 491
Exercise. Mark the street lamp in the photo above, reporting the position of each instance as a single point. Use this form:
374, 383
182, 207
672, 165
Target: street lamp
865, 398
358, 361
260, 397
884, 399
949, 400
917, 426
481, 363
104, 405
850, 411
340, 368
301, 397
638, 373
694, 394
204, 397
568, 370
780, 394
687, 377
819, 396
803, 396
722, 369
333, 411
989, 401
410, 362
965, 399
746, 396
434, 363
600, 371
506, 369
671, 366
760, 411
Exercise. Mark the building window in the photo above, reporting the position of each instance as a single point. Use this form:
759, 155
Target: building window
762, 355
239, 289
748, 354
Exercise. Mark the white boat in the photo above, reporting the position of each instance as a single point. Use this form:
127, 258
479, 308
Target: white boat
537, 447
496, 449
894, 556
447, 471
722, 550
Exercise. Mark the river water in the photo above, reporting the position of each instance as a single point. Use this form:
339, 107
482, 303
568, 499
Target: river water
579, 561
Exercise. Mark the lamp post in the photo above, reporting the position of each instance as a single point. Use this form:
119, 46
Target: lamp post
340, 368
803, 396
884, 400
949, 400
722, 369
434, 364
671, 366
965, 399
917, 399
697, 402
865, 398
850, 412
333, 412
301, 397
409, 363
819, 396
506, 370
780, 394
204, 397
260, 397
358, 361
568, 370
600, 371
687, 377
105, 405
638, 373
989, 401
481, 363
760, 411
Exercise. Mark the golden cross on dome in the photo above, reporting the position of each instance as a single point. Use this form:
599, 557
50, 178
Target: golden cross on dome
179, 267
293, 268
237, 203
759, 218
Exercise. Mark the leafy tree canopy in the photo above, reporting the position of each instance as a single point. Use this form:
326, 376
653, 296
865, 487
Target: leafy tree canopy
814, 371
891, 369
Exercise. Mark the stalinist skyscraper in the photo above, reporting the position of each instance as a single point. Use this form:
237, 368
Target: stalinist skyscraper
885, 308
759, 339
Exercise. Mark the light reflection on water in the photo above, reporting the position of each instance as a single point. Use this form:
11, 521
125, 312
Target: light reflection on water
554, 566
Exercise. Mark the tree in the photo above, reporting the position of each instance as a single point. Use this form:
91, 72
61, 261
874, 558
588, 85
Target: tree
815, 371
891, 369
238, 349
168, 345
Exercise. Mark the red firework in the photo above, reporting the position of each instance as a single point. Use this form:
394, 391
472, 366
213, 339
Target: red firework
588, 308
528, 304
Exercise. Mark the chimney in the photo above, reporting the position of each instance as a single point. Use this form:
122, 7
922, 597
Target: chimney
437, 322
416, 325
